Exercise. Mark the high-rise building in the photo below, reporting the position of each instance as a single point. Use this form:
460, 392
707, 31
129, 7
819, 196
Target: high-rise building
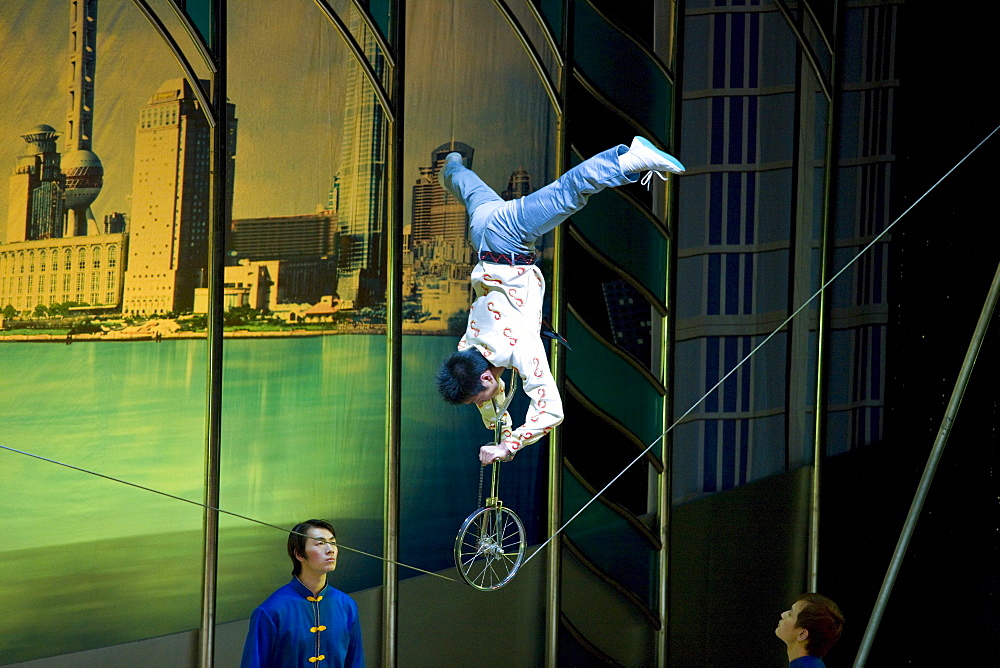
302, 250
439, 253
310, 235
360, 181
35, 207
435, 212
171, 201
518, 186
754, 223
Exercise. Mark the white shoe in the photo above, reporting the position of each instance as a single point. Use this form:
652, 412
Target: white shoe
643, 156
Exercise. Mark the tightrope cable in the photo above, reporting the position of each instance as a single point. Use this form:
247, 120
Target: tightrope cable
761, 344
219, 510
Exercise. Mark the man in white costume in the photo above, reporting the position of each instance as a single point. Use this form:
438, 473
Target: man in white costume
505, 319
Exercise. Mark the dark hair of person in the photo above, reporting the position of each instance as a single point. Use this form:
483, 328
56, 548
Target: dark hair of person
297, 540
823, 620
458, 378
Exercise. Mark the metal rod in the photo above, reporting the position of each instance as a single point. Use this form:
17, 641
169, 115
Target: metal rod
383, 44
553, 560
824, 312
204, 50
664, 496
928, 476
394, 332
218, 187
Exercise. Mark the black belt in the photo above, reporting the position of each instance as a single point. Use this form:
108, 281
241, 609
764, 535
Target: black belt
507, 258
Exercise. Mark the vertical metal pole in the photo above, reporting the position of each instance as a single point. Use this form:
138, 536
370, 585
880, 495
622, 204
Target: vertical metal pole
944, 431
664, 492
823, 326
218, 185
394, 341
553, 560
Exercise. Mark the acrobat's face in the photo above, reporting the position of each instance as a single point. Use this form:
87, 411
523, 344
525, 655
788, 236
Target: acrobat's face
491, 387
788, 629
321, 551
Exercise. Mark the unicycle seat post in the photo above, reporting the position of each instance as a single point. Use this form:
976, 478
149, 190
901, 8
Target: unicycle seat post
494, 499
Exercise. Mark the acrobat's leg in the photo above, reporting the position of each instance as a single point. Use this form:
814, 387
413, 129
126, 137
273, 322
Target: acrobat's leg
533, 215
465, 184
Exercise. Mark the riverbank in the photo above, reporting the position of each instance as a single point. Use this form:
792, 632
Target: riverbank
6, 337
172, 336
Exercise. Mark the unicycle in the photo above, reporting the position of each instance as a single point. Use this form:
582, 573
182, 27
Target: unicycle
489, 547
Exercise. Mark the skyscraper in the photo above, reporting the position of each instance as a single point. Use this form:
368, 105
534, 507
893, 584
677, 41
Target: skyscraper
35, 207
436, 213
170, 201
360, 196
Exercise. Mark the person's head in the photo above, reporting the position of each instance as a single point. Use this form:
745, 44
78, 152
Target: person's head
314, 543
814, 623
465, 378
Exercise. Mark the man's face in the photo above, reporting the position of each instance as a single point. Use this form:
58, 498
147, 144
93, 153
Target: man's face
490, 389
787, 626
321, 551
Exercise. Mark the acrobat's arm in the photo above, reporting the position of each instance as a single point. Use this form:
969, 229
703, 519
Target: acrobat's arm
489, 452
545, 410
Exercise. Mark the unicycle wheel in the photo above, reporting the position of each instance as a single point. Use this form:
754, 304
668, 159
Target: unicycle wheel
489, 547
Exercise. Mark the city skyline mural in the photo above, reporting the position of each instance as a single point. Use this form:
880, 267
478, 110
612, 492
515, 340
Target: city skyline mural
104, 246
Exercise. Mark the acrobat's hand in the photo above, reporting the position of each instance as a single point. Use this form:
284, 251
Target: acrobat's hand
490, 453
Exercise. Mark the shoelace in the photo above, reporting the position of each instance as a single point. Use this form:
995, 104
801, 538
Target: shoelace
648, 177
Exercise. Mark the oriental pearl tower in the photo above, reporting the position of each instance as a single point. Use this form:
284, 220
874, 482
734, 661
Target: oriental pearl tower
83, 169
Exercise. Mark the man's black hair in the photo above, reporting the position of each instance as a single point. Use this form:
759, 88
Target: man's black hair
458, 378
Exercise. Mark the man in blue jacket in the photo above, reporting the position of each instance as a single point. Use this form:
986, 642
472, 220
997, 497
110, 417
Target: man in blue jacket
306, 621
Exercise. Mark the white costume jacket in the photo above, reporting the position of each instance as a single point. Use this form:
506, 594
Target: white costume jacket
504, 325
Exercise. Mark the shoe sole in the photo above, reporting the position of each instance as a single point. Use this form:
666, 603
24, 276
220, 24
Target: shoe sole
673, 164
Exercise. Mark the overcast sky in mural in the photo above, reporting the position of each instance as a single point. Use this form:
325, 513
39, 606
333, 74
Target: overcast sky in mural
466, 80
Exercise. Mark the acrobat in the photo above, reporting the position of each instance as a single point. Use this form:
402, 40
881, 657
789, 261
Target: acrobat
504, 325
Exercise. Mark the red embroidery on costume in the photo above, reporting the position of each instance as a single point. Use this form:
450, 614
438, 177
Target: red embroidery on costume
513, 294
489, 279
462, 345
521, 270
537, 373
472, 326
541, 398
506, 332
492, 309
